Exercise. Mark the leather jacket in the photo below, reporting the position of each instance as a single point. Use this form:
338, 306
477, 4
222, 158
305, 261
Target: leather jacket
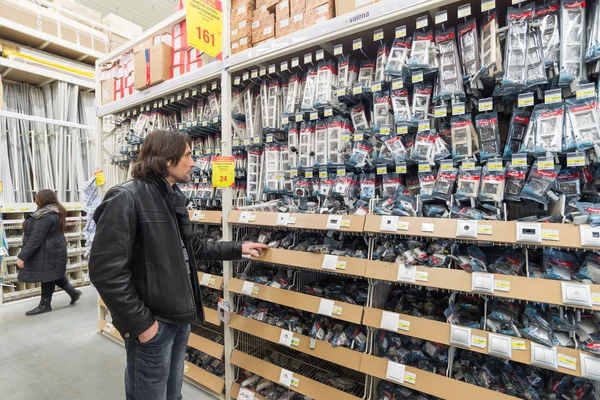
137, 259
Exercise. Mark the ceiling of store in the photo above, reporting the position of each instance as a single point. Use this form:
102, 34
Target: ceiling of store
145, 13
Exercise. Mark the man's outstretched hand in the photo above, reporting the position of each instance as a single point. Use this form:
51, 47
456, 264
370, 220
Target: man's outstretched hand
252, 249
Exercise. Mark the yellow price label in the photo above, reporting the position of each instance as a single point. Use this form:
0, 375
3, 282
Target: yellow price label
358, 137
424, 125
205, 25
525, 101
378, 35
480, 341
340, 265
417, 77
519, 162
223, 171
502, 286
345, 223
458, 109
357, 90
404, 325
495, 165
567, 360
584, 93
328, 112
424, 168
543, 165
550, 235
484, 229
256, 140
381, 170
488, 5
397, 84
100, 178
357, 44
402, 129
440, 111
468, 165
340, 92
411, 378
577, 161
337, 310
446, 166
519, 344
376, 87
212, 281
401, 169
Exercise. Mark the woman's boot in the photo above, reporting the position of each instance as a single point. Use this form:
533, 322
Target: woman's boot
43, 307
74, 293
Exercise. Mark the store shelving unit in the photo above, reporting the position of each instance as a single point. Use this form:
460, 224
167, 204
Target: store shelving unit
77, 269
248, 343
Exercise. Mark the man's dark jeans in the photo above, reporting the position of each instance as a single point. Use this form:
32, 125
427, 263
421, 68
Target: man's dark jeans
155, 369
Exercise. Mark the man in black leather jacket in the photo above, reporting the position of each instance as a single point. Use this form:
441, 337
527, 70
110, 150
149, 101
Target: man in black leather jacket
143, 264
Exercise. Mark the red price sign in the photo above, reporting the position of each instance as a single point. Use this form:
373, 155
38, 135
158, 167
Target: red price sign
205, 25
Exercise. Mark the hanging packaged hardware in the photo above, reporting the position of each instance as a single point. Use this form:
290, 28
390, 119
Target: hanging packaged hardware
337, 129
253, 189
359, 117
516, 131
535, 65
272, 169
401, 106
307, 140
360, 157
427, 181
382, 58
381, 108
444, 184
421, 52
548, 120
347, 72
293, 138
395, 146
326, 82
264, 109
515, 63
487, 129
592, 52
366, 73
469, 48
397, 63
516, 176
463, 137
584, 117
539, 183
468, 184
441, 150
491, 55
321, 143
492, 184
367, 186
310, 88
568, 182
421, 101
294, 95
450, 83
424, 147
572, 44
546, 16
274, 105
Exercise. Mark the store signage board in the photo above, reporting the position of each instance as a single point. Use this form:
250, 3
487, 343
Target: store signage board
223, 171
205, 25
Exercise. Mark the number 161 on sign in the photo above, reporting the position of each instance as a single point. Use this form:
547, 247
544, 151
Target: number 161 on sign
204, 26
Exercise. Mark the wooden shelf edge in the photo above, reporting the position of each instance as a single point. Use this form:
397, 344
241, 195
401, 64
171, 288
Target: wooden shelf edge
521, 287
272, 372
206, 217
206, 346
235, 391
218, 283
303, 221
338, 355
350, 312
300, 259
439, 332
430, 383
204, 378
115, 335
210, 316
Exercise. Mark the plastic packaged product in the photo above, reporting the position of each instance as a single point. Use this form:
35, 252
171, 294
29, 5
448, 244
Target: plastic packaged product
584, 117
450, 81
366, 73
491, 55
310, 88
397, 63
590, 269
381, 108
389, 185
382, 57
558, 265
568, 182
539, 182
320, 146
424, 147
516, 131
367, 186
421, 101
572, 42
427, 182
325, 187
359, 117
469, 48
468, 184
548, 127
441, 148
546, 15
515, 63
463, 136
347, 72
444, 184
360, 157
515, 181
326, 81
420, 54
592, 52
306, 152
487, 128
338, 143
591, 210
493, 185
433, 210
395, 146
405, 203
401, 106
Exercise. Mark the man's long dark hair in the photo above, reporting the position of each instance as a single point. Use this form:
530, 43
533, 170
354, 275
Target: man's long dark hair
159, 147
46, 197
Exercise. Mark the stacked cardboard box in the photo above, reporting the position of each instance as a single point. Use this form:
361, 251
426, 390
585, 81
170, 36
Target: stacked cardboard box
241, 24
318, 11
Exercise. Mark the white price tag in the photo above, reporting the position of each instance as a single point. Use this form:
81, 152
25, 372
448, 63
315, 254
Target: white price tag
502, 286
401, 32
205, 280
406, 273
422, 276
248, 288
357, 44
518, 344
334, 222
337, 310
488, 5
285, 338
486, 104
403, 325
596, 299
108, 328
427, 227
186, 368
329, 262
395, 372
567, 362
553, 96
422, 22
338, 50
441, 17
464, 11
409, 377
417, 77
479, 341
458, 108
551, 234
326, 307
403, 225
525, 100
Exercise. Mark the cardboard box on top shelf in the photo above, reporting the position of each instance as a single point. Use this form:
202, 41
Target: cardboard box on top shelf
297, 22
346, 6
240, 13
145, 45
282, 10
242, 29
283, 28
316, 3
263, 27
268, 4
319, 14
297, 7
166, 38
241, 45
152, 66
238, 3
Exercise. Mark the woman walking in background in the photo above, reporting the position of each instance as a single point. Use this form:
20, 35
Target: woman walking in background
43, 256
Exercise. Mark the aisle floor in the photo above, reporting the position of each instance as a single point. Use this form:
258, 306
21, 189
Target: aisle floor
61, 355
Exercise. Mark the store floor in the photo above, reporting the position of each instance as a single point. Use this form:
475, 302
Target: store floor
60, 355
